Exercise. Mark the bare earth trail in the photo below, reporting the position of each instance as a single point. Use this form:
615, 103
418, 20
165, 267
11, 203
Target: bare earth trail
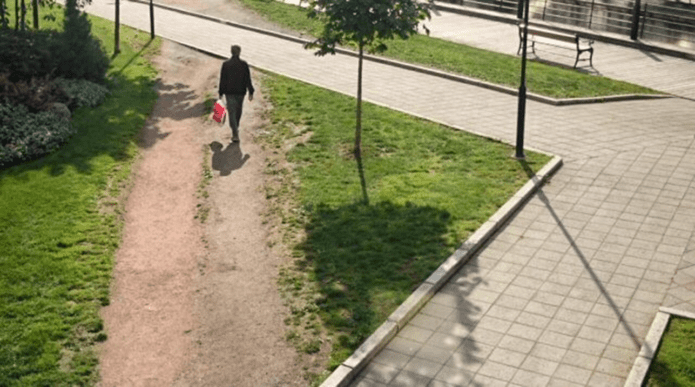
196, 304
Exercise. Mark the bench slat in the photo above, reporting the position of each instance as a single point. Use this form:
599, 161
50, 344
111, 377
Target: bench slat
553, 35
559, 36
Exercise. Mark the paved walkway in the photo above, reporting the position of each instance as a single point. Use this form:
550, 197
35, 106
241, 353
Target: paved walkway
660, 72
565, 293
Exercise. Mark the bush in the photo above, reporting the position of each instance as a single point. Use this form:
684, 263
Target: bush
74, 53
37, 94
25, 135
81, 55
82, 92
28, 54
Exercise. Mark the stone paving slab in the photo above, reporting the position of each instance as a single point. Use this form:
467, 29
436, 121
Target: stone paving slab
661, 72
564, 294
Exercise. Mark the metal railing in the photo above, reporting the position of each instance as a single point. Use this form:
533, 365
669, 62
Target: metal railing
667, 21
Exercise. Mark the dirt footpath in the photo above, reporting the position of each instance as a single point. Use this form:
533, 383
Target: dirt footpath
196, 304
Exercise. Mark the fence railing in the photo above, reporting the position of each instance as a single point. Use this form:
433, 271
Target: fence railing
670, 21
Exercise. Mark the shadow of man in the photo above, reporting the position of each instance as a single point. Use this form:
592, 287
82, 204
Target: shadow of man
227, 159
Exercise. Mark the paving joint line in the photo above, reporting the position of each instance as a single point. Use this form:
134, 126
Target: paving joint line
422, 69
349, 369
395, 108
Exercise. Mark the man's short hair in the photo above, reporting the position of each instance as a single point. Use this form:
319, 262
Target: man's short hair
236, 50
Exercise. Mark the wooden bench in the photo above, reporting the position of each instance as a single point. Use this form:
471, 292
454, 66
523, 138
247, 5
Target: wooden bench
581, 45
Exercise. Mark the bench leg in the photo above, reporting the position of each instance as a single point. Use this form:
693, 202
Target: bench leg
591, 57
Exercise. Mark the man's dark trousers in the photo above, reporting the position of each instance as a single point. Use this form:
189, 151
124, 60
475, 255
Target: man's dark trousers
235, 104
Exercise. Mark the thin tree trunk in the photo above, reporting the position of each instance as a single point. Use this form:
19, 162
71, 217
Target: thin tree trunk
16, 15
117, 43
358, 127
35, 5
23, 18
3, 20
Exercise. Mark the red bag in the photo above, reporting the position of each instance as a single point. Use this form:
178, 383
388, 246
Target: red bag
219, 111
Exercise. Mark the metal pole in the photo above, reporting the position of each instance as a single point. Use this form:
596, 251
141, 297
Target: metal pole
644, 20
151, 20
591, 13
635, 21
521, 113
117, 32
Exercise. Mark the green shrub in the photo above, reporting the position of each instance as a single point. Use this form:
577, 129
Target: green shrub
25, 135
28, 54
36, 94
81, 55
74, 53
83, 92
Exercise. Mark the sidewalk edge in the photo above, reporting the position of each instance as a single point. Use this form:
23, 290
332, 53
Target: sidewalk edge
641, 365
417, 68
349, 369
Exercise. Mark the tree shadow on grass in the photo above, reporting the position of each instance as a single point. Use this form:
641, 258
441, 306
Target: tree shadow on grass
367, 259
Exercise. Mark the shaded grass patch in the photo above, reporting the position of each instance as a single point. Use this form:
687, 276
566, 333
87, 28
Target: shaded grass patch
674, 365
429, 186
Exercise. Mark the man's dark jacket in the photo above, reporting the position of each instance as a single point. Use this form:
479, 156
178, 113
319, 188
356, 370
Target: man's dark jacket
235, 77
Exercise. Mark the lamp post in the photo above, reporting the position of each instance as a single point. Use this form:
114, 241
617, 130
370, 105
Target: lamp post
117, 32
521, 112
151, 20
635, 21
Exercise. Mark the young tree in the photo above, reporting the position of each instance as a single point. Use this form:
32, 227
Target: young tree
82, 56
35, 5
23, 22
367, 24
4, 14
35, 9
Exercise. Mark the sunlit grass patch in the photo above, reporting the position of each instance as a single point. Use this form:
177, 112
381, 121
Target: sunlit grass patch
60, 226
429, 188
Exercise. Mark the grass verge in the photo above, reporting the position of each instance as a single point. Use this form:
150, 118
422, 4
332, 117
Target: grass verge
674, 365
60, 226
429, 186
501, 69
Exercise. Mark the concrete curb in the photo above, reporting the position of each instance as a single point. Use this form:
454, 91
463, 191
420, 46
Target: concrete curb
349, 369
649, 349
420, 69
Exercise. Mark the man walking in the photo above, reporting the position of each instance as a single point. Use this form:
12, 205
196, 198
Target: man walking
235, 79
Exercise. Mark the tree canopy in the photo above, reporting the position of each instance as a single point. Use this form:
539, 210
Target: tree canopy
367, 23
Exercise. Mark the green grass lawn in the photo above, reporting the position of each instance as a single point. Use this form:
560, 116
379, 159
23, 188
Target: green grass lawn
429, 187
674, 365
543, 79
60, 227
